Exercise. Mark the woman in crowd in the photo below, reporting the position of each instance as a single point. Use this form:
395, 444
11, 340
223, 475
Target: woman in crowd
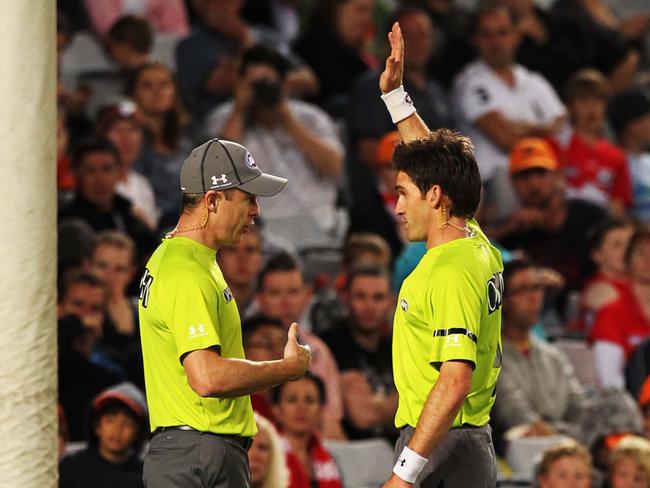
154, 91
298, 409
624, 323
266, 457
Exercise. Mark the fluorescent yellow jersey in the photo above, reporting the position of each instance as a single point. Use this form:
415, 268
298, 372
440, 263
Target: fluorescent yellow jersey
449, 308
185, 305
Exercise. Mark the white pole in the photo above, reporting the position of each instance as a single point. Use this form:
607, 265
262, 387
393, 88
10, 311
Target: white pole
28, 422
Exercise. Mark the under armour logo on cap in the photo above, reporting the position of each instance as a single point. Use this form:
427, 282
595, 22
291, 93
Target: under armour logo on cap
223, 180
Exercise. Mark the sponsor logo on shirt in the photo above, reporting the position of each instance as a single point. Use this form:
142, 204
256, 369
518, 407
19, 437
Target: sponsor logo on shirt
227, 295
494, 292
404, 304
194, 332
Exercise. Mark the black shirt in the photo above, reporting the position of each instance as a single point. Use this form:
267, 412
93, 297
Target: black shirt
87, 468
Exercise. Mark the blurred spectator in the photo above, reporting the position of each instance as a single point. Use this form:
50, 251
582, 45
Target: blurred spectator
129, 42
566, 465
289, 137
548, 226
266, 457
644, 405
595, 170
537, 386
620, 326
453, 49
240, 265
75, 240
117, 428
79, 379
362, 349
630, 19
113, 260
166, 16
368, 167
283, 294
264, 339
587, 42
280, 15
120, 125
64, 175
336, 45
629, 464
629, 114
75, 13
207, 60
161, 113
298, 406
63, 437
500, 102
608, 241
97, 167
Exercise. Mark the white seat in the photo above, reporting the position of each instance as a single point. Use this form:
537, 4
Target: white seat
582, 360
365, 463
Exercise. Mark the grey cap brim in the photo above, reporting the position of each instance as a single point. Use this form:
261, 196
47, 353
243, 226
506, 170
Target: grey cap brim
264, 185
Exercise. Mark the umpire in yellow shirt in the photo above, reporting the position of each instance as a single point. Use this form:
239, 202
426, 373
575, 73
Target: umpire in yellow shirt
446, 334
197, 378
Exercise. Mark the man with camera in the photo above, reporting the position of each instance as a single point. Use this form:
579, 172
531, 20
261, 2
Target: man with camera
289, 137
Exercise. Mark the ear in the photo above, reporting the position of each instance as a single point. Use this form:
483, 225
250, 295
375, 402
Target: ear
434, 196
212, 199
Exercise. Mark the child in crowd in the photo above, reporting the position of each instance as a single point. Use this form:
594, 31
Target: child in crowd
608, 241
566, 465
595, 169
629, 464
117, 426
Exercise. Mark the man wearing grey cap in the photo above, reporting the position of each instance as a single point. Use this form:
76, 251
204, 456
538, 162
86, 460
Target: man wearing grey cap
197, 378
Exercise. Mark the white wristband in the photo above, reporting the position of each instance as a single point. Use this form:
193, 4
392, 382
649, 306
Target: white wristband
409, 465
399, 104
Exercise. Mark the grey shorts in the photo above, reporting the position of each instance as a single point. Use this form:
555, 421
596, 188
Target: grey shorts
464, 459
181, 458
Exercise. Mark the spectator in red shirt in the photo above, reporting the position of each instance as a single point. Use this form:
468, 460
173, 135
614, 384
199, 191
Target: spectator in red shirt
608, 241
623, 324
298, 407
595, 169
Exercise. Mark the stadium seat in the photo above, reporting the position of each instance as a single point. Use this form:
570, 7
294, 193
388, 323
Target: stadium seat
363, 464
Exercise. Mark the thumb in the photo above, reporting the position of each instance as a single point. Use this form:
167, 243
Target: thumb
293, 332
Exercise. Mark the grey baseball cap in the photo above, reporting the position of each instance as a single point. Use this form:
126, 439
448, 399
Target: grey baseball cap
222, 165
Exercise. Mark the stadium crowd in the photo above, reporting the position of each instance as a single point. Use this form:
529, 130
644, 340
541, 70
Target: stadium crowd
555, 96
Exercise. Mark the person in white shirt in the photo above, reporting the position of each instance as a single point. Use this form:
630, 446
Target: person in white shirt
498, 102
291, 137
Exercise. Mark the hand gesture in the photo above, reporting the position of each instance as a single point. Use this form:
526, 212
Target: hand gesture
298, 356
391, 77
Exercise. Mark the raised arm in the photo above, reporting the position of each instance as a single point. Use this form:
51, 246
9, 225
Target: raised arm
412, 127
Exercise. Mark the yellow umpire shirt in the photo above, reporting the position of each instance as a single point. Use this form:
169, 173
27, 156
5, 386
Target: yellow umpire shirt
449, 308
186, 305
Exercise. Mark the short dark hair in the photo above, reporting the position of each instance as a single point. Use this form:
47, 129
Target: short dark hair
189, 201
446, 159
94, 144
367, 270
513, 267
276, 392
81, 277
252, 324
133, 31
364, 242
596, 234
282, 262
484, 8
260, 54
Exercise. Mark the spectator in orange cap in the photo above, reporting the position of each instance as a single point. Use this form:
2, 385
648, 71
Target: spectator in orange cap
550, 227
